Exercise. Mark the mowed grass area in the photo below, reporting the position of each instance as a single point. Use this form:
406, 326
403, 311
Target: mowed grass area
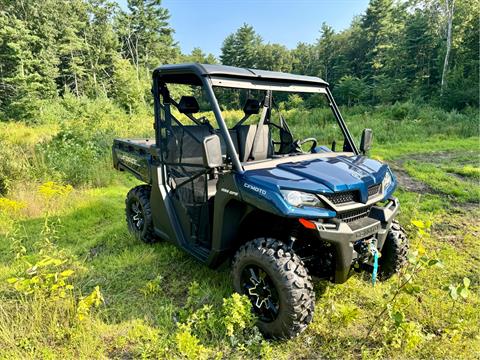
160, 303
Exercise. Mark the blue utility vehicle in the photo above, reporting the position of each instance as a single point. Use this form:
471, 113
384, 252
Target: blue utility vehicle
250, 193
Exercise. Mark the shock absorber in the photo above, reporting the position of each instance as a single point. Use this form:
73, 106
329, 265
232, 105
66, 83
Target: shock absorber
293, 234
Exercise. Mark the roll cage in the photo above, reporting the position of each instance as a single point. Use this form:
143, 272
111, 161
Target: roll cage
209, 76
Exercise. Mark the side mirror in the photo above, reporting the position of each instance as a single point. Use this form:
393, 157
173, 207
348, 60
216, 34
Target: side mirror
212, 152
366, 140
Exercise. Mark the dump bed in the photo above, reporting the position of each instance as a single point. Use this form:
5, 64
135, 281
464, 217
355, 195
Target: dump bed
133, 155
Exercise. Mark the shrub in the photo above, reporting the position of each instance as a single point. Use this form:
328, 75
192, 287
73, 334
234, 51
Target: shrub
13, 165
237, 314
208, 325
75, 154
294, 101
401, 111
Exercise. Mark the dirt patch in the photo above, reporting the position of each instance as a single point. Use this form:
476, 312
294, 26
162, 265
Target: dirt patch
460, 157
408, 183
466, 207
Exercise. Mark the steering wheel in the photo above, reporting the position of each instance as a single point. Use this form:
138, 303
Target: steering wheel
298, 144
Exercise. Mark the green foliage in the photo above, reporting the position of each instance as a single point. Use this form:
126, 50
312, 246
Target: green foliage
294, 101
396, 331
237, 314
401, 111
12, 166
44, 278
189, 346
351, 90
462, 290
130, 88
85, 304
146, 36
274, 57
241, 48
75, 147
205, 326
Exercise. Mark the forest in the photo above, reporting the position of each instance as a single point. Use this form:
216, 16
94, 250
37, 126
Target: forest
75, 74
423, 51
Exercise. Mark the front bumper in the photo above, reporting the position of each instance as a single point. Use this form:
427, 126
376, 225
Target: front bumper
343, 235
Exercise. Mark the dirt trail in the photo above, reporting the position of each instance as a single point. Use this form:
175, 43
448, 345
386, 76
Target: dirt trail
408, 183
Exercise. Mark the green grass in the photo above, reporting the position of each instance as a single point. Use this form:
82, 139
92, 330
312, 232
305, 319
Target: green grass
92, 231
150, 290
441, 180
468, 171
469, 146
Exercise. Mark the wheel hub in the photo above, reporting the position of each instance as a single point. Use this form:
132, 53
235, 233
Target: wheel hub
260, 292
137, 215
259, 288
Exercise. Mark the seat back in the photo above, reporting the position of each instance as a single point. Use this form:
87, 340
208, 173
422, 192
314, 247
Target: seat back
246, 137
185, 145
188, 105
234, 136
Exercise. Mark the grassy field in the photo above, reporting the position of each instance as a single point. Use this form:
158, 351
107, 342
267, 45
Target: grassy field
75, 284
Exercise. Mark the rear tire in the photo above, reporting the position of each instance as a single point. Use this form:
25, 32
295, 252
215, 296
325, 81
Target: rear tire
394, 252
139, 214
278, 285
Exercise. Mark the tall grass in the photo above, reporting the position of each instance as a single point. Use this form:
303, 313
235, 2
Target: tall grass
71, 140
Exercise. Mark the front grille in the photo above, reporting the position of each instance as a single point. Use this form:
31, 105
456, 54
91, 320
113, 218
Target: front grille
344, 197
352, 196
373, 190
353, 215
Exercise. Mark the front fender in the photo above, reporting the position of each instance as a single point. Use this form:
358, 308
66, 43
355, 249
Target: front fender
267, 197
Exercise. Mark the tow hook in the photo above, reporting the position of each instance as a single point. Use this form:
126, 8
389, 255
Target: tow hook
368, 256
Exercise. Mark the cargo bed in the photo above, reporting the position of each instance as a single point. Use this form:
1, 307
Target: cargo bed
133, 155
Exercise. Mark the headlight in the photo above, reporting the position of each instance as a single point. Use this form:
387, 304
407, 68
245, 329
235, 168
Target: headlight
298, 198
387, 181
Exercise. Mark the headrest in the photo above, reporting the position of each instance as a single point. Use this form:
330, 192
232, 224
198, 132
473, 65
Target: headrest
188, 105
251, 107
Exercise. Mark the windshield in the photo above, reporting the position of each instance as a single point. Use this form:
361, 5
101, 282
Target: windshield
302, 115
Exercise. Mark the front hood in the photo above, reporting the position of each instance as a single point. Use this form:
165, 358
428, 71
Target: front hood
324, 175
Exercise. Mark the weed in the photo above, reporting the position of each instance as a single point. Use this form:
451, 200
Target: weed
94, 300
417, 261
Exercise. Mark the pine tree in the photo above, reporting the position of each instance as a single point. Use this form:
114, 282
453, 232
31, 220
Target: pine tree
241, 48
198, 56
326, 52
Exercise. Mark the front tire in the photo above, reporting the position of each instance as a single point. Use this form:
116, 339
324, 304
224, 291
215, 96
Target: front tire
139, 214
394, 252
278, 285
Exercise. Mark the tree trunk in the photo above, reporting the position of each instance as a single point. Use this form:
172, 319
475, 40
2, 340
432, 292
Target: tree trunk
450, 8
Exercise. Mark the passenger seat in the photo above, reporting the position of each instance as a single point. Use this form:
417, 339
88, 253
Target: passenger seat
246, 137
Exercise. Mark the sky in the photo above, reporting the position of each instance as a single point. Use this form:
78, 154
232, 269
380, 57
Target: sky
206, 23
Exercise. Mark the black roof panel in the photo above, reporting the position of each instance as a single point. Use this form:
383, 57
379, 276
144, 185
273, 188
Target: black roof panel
235, 72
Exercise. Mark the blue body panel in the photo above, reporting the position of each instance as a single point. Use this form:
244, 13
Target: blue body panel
261, 188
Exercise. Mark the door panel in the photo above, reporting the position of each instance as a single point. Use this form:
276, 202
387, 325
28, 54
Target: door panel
187, 179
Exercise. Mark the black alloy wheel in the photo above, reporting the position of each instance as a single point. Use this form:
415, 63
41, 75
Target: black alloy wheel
139, 214
261, 291
275, 280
